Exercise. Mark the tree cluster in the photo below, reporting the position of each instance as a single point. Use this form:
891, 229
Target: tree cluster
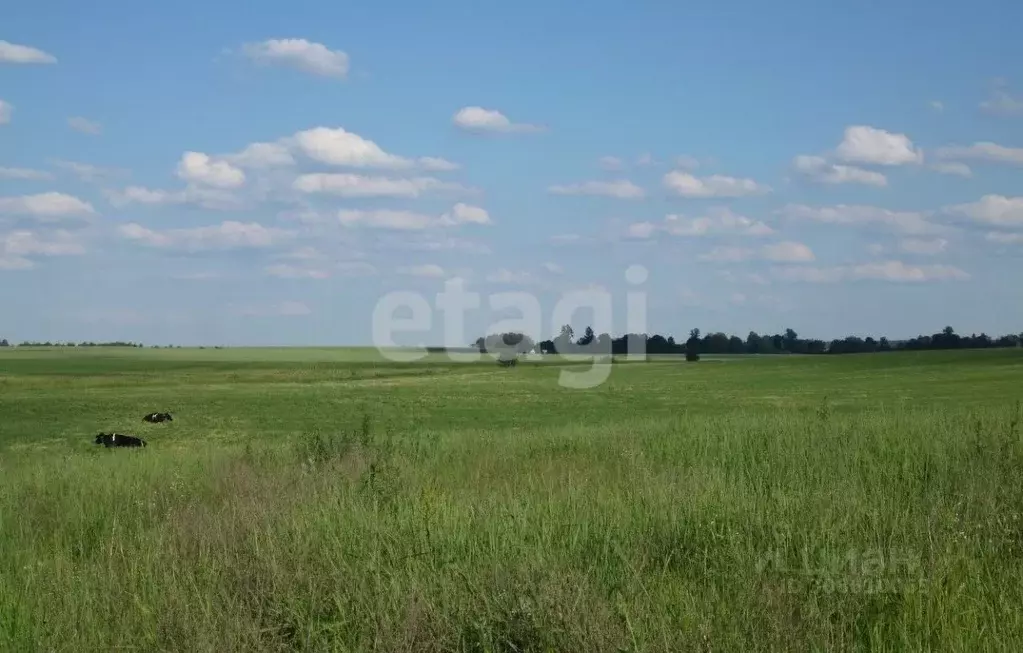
722, 343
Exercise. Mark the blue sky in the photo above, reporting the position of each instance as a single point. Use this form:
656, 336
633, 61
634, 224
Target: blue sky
266, 173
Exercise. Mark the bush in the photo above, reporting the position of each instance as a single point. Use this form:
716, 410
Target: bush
692, 356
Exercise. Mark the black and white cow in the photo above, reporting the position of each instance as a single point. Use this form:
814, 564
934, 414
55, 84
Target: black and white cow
119, 440
156, 418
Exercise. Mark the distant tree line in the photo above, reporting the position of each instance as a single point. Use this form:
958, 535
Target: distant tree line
5, 343
722, 343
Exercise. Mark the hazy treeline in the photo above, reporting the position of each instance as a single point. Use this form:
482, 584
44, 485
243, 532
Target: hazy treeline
722, 343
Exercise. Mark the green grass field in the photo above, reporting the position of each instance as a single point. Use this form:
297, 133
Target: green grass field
330, 500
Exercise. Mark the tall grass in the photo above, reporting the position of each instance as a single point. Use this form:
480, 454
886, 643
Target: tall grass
754, 530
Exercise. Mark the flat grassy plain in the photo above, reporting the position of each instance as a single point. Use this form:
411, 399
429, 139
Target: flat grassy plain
331, 500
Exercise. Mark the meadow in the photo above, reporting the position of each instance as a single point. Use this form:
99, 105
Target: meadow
331, 500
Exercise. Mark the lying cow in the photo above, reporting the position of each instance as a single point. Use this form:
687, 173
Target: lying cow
119, 440
156, 418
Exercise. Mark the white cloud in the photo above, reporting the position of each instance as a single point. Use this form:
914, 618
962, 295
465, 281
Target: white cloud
209, 198
876, 249
29, 243
262, 155
201, 169
1005, 238
46, 205
6, 111
993, 209
610, 163
553, 268
25, 174
923, 246
429, 271
412, 221
717, 220
641, 230
907, 222
783, 252
437, 164
1002, 103
983, 151
621, 188
466, 214
819, 169
687, 185
300, 54
864, 144
937, 105
344, 148
489, 120
787, 252
952, 168
90, 173
226, 235
17, 246
84, 126
895, 271
349, 185
23, 54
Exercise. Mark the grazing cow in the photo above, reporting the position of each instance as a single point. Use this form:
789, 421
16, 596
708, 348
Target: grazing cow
156, 418
119, 440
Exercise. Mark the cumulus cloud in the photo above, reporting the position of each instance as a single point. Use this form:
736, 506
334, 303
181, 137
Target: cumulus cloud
226, 235
24, 54
25, 174
84, 125
983, 151
6, 111
262, 155
687, 185
995, 210
869, 145
23, 244
411, 220
344, 148
18, 247
465, 214
217, 199
351, 185
819, 169
199, 168
436, 164
895, 271
718, 220
787, 252
621, 188
478, 119
44, 206
923, 246
300, 54
908, 222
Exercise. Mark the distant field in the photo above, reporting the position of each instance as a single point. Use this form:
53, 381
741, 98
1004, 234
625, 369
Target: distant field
329, 499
